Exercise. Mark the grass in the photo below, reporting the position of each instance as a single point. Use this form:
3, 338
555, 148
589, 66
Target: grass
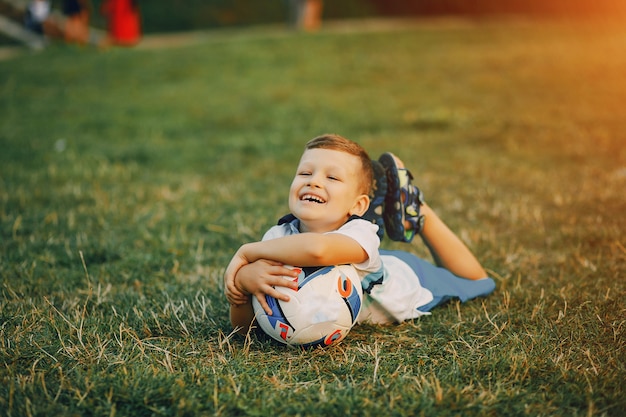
129, 177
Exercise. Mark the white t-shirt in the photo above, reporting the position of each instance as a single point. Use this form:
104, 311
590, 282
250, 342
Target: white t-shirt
392, 290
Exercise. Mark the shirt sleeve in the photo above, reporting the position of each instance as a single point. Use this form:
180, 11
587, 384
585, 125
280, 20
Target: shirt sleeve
364, 233
275, 232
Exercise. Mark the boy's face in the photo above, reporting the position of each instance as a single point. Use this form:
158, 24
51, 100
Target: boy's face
325, 191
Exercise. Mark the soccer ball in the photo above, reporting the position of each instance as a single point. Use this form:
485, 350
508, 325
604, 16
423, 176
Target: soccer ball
321, 312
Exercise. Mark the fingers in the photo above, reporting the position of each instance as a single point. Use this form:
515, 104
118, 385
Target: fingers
236, 300
263, 301
233, 294
279, 295
271, 291
236, 297
285, 277
262, 298
260, 278
232, 289
271, 283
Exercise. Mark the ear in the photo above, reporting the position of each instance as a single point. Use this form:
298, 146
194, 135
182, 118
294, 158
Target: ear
361, 204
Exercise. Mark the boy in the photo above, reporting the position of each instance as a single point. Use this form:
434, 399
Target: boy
327, 199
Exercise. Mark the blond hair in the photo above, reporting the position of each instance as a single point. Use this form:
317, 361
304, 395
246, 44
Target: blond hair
339, 143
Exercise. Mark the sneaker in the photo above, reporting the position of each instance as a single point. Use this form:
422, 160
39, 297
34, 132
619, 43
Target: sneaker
402, 202
377, 198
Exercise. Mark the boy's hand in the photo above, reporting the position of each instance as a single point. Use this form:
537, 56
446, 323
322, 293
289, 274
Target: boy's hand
235, 295
259, 279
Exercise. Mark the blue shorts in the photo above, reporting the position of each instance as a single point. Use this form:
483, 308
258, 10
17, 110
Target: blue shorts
443, 284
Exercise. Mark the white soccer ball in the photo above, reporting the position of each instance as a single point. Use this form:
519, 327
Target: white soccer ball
320, 313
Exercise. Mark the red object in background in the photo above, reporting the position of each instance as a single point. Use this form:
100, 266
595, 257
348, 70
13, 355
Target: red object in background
124, 21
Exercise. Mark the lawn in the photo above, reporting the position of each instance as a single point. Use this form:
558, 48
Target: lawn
128, 178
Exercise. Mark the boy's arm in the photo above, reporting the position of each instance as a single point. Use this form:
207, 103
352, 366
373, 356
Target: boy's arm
259, 279
257, 267
253, 277
305, 249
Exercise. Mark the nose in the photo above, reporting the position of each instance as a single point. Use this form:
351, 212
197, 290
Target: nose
314, 181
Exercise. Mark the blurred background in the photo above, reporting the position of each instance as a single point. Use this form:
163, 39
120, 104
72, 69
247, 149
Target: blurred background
158, 16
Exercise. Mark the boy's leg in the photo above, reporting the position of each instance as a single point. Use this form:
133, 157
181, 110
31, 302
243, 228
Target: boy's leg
403, 201
374, 212
445, 246
442, 283
447, 249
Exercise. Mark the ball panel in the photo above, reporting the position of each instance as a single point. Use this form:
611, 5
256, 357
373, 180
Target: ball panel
351, 292
274, 325
320, 313
314, 274
334, 337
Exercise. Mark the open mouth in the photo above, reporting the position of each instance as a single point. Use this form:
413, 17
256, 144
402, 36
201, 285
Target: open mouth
312, 198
